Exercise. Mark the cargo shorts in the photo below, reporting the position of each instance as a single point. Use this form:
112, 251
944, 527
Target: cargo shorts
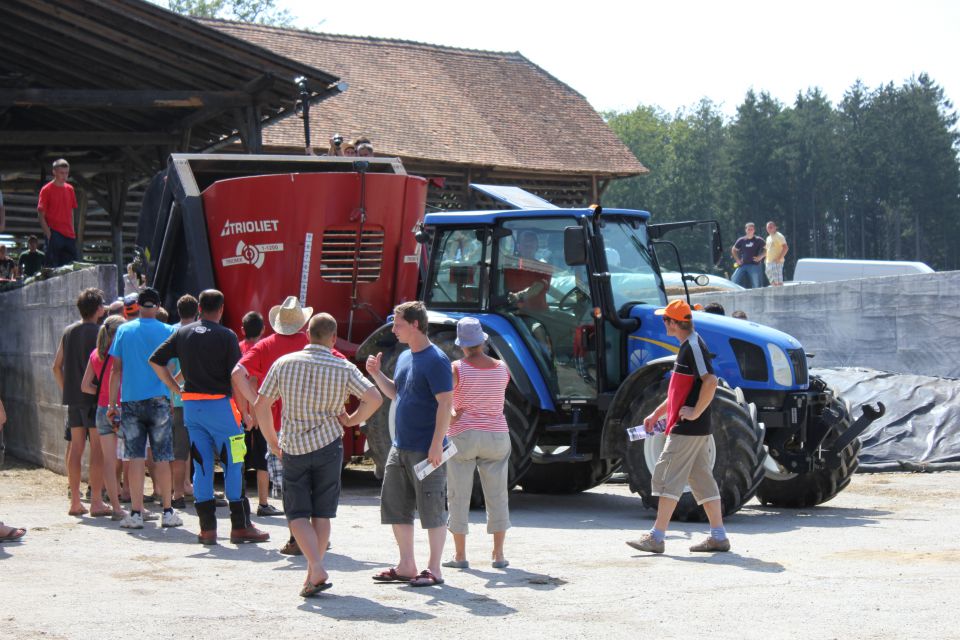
686, 460
403, 495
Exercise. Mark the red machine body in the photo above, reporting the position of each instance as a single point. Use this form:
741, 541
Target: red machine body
341, 242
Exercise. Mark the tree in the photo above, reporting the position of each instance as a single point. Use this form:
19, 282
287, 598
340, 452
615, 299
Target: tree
258, 11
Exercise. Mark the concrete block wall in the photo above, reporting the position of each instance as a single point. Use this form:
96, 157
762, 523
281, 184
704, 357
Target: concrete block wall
903, 324
33, 319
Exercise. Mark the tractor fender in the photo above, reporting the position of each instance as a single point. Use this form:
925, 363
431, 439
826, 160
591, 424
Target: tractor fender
613, 438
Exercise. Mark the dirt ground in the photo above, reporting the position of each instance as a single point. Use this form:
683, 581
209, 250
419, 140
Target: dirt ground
879, 561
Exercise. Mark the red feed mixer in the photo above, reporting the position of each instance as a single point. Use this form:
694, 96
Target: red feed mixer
335, 234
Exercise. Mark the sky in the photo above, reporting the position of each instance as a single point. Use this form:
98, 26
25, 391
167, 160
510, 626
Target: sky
672, 53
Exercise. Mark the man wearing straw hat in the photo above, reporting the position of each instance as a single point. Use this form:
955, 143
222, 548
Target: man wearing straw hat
288, 321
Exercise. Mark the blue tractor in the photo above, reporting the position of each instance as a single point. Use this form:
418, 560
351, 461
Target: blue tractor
568, 298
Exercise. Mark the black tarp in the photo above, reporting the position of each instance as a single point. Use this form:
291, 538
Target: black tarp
921, 428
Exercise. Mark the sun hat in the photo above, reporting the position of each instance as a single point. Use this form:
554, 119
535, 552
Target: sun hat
288, 318
470, 333
677, 310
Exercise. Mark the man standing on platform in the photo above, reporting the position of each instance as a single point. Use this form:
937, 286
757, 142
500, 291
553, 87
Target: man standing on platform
747, 252
56, 205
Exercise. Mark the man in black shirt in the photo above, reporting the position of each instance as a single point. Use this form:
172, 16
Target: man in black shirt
31, 261
685, 458
208, 352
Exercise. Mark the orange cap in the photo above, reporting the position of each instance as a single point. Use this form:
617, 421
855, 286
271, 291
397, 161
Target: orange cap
677, 310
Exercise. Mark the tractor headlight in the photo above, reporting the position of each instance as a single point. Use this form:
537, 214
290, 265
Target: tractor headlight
782, 371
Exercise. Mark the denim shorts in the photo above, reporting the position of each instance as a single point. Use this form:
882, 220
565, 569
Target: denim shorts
104, 426
142, 419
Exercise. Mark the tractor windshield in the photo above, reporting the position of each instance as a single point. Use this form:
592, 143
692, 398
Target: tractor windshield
633, 277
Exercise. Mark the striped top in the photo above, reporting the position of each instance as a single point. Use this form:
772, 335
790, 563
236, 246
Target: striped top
314, 385
478, 397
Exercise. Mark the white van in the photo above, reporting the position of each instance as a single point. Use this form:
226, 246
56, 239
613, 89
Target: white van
829, 270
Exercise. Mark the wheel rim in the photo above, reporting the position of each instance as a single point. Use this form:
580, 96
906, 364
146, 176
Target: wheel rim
653, 447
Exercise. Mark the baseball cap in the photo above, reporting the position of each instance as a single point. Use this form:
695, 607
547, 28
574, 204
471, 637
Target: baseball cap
677, 310
149, 298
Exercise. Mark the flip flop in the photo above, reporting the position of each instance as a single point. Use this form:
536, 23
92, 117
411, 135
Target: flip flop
426, 579
313, 589
15, 534
77, 512
456, 564
101, 513
391, 575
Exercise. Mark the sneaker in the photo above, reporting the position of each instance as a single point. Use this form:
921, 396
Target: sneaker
132, 521
712, 545
268, 510
171, 519
150, 516
179, 503
647, 543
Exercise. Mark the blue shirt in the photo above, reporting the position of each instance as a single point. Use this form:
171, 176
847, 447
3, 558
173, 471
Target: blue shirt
419, 377
134, 343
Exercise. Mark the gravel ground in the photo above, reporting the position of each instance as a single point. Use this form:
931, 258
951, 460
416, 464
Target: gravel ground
879, 561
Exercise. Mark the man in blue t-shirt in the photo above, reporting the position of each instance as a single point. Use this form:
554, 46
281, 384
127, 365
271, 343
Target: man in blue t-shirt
422, 388
144, 409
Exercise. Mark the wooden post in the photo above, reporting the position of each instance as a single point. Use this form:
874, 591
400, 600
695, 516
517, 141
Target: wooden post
83, 202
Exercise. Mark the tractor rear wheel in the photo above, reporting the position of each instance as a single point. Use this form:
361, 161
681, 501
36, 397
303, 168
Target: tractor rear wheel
815, 487
738, 463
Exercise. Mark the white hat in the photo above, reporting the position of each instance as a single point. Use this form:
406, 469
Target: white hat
288, 318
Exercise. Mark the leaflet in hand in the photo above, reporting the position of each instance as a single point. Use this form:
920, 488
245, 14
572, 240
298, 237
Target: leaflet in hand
640, 433
424, 468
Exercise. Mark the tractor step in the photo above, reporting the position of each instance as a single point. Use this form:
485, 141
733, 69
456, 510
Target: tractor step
567, 427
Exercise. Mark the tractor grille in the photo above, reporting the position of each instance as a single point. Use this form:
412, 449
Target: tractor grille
798, 359
344, 247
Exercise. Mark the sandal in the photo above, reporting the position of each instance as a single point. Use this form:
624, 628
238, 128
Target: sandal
426, 579
391, 575
14, 534
101, 513
313, 589
76, 512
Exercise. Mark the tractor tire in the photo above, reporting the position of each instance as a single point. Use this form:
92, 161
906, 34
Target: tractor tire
377, 428
568, 477
820, 485
738, 466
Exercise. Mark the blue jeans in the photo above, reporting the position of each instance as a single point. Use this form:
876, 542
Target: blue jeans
210, 424
61, 250
141, 419
749, 276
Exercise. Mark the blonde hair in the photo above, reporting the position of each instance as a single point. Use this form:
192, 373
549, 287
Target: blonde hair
105, 336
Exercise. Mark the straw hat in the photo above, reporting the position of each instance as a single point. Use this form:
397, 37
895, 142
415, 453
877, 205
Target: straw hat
288, 318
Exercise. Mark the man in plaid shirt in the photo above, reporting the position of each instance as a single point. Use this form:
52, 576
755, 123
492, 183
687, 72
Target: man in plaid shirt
314, 384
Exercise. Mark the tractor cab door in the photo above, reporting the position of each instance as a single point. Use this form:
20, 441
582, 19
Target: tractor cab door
548, 301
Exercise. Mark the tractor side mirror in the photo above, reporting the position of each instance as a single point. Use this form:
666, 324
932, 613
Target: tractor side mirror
574, 246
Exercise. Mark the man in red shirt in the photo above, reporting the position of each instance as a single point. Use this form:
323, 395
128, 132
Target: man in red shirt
56, 205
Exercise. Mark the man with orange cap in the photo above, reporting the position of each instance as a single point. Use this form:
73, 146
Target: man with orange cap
685, 459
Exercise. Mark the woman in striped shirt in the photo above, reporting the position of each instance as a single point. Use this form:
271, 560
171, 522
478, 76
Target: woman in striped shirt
479, 431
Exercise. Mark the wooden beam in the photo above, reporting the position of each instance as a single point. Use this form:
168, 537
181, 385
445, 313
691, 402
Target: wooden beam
138, 99
85, 138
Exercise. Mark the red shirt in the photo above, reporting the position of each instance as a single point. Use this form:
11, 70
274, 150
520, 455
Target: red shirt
246, 344
58, 204
258, 359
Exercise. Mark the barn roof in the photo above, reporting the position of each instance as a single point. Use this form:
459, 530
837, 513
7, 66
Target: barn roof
428, 102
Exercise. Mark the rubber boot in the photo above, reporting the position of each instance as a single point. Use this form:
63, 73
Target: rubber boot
207, 513
243, 530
